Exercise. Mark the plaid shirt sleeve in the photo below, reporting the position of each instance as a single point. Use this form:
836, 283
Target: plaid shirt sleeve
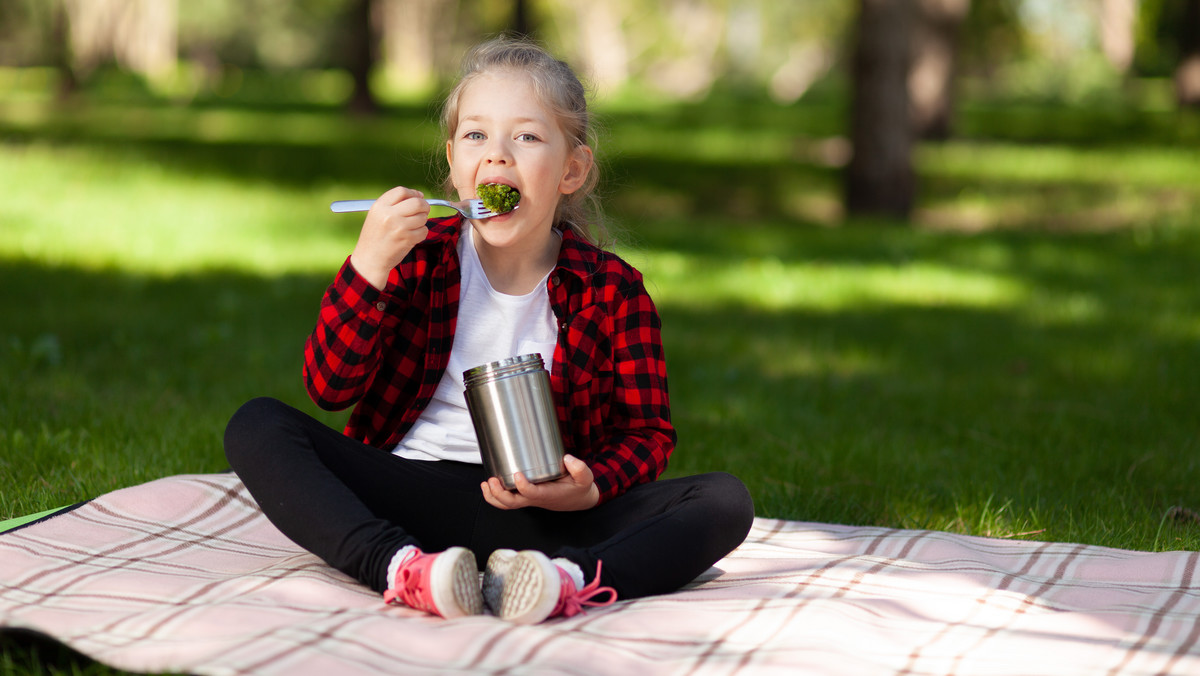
641, 437
344, 348
616, 405
383, 352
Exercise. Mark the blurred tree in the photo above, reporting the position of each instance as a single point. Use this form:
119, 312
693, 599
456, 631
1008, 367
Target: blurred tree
522, 20
603, 41
686, 48
932, 75
1117, 22
1168, 45
679, 47
880, 178
673, 47
60, 55
692, 39
1187, 73
140, 35
266, 33
411, 32
1158, 27
27, 30
361, 52
993, 34
801, 43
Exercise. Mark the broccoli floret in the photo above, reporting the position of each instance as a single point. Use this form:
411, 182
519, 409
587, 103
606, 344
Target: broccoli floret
497, 197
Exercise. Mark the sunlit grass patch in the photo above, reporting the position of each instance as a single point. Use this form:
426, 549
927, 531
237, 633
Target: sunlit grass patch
772, 284
713, 145
100, 208
970, 514
142, 122
1051, 163
971, 186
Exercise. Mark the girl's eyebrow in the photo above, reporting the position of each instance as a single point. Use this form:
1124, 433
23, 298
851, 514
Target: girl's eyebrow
518, 120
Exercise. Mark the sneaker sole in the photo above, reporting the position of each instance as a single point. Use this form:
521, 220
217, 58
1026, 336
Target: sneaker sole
531, 589
455, 584
498, 566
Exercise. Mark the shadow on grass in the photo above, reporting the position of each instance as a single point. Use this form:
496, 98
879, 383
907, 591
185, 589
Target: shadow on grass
1071, 404
127, 377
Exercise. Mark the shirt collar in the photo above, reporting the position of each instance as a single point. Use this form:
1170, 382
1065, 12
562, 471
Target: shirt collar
576, 256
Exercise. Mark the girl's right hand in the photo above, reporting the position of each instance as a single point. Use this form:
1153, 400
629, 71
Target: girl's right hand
394, 225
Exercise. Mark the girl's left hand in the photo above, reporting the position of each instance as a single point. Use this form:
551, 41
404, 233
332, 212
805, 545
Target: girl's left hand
576, 491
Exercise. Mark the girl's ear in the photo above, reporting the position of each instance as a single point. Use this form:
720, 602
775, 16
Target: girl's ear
579, 163
449, 153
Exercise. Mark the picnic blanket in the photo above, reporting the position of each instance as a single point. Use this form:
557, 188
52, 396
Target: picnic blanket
185, 574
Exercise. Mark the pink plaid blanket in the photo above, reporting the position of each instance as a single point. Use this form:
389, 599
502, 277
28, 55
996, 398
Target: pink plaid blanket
184, 574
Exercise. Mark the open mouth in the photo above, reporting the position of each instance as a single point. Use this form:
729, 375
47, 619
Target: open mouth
499, 198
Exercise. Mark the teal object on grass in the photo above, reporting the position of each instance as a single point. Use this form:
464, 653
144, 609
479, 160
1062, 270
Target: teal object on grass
10, 524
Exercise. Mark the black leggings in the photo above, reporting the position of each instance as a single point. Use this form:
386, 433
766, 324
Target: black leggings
354, 506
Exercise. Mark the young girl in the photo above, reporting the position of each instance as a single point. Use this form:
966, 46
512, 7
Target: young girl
400, 499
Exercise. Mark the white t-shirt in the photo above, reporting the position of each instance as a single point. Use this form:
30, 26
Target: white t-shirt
491, 326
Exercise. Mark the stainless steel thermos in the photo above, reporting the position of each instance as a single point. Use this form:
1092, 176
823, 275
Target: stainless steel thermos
513, 413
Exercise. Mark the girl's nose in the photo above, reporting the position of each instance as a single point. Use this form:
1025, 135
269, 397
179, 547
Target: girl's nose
498, 153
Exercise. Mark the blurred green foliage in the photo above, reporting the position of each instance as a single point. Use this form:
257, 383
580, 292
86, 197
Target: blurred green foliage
1006, 47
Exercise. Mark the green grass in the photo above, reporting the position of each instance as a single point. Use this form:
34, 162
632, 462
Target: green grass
991, 384
1023, 362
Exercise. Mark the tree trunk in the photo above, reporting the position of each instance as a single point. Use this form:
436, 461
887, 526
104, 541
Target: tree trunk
141, 35
604, 50
360, 54
522, 21
412, 32
1118, 23
936, 29
880, 177
68, 83
147, 42
1187, 74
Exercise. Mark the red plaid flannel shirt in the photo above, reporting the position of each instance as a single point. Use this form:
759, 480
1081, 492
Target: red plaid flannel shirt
385, 351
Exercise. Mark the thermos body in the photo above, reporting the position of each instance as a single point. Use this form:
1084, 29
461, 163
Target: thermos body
513, 413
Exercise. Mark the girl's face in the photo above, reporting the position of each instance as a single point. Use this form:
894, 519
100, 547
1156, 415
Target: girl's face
505, 135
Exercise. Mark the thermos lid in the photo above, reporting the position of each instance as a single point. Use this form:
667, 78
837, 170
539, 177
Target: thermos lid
503, 368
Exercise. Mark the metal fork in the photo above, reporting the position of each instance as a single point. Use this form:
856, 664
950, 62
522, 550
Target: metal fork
468, 208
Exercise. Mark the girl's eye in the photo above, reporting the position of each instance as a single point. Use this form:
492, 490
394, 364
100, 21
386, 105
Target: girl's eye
527, 137
474, 136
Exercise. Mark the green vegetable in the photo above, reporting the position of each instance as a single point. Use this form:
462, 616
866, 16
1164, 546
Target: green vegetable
497, 197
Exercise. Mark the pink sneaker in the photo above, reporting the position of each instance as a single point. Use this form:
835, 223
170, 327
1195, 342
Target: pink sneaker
445, 584
536, 589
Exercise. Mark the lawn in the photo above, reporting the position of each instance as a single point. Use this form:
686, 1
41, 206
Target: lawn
1020, 361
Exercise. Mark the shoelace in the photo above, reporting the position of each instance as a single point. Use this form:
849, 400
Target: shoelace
410, 597
573, 604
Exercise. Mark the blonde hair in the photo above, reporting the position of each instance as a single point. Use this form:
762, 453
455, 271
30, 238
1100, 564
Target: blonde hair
564, 96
